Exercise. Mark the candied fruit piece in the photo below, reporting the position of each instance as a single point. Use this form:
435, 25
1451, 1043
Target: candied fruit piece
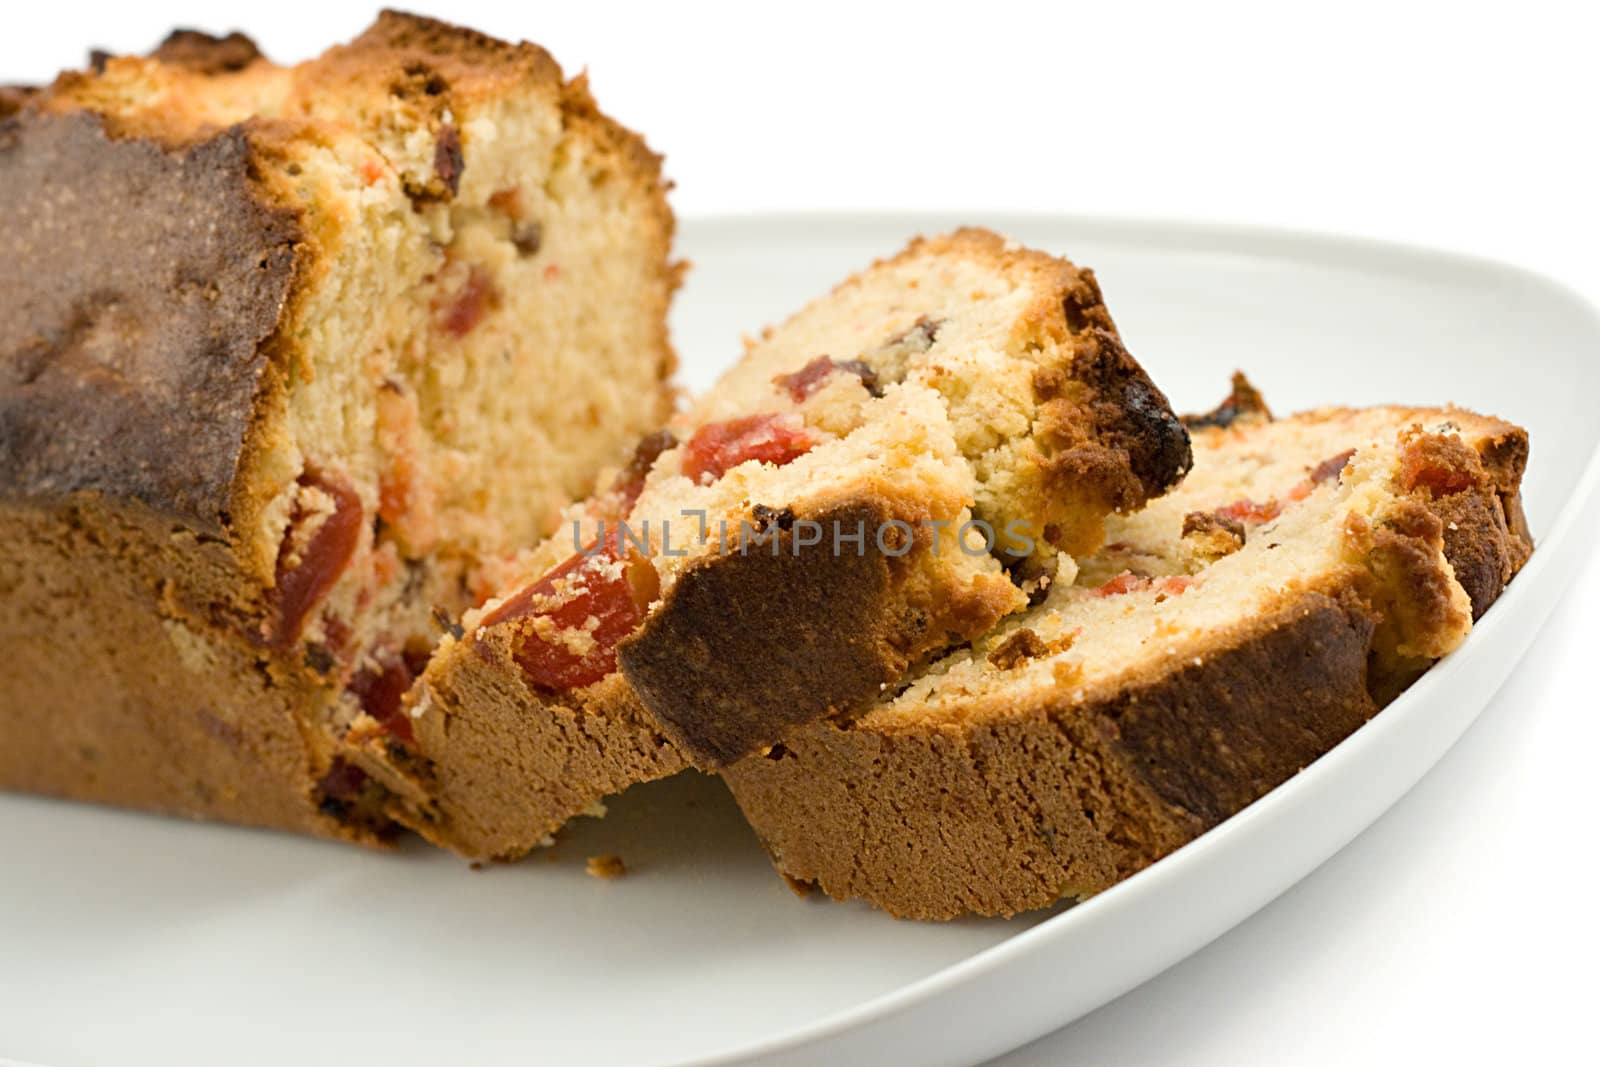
718, 447
478, 295
629, 483
380, 689
580, 611
1330, 468
1249, 511
1132, 582
1126, 582
1431, 463
810, 378
308, 567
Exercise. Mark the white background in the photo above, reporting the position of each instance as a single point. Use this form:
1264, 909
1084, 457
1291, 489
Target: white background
1463, 926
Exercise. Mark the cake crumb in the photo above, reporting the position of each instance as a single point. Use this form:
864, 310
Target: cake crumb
1017, 649
798, 886
605, 867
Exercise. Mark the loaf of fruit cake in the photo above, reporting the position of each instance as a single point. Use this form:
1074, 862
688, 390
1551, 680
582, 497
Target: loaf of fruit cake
876, 480
291, 357
1229, 634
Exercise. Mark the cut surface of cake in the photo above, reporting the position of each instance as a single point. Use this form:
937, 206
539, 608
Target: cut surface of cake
292, 357
1226, 636
875, 481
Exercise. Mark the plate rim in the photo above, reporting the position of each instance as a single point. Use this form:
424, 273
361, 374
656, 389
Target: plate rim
1359, 251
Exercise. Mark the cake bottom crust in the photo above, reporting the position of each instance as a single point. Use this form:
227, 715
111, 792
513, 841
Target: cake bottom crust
1020, 812
132, 681
503, 768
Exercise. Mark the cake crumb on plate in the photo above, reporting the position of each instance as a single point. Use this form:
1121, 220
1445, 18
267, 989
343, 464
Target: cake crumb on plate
605, 867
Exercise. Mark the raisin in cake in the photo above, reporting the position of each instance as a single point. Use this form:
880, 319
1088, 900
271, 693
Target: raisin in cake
796, 538
1228, 635
291, 357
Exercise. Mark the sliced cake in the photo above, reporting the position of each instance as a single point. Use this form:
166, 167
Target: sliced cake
1227, 635
878, 479
291, 358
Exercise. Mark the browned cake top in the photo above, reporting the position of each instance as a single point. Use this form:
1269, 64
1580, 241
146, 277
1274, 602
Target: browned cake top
141, 284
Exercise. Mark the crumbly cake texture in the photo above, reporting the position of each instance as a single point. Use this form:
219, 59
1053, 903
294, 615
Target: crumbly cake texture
1227, 635
966, 379
293, 358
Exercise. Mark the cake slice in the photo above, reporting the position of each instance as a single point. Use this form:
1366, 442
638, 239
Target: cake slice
291, 358
876, 480
1229, 634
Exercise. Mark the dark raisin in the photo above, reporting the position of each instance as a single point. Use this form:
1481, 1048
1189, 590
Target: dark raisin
766, 517
527, 237
1330, 469
1243, 400
448, 162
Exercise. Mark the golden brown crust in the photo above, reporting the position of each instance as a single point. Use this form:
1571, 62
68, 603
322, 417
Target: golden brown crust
1243, 402
748, 644
1480, 545
1019, 812
1105, 427
463, 55
135, 690
425, 66
1486, 534
149, 333
205, 54
505, 767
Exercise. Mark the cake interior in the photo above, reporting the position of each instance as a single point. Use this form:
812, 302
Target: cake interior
1287, 508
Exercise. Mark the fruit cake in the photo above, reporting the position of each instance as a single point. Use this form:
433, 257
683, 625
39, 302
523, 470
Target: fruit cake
1226, 636
876, 480
291, 357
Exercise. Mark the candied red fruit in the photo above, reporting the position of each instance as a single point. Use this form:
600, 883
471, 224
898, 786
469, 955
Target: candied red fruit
810, 378
344, 781
381, 691
1175, 585
304, 577
1249, 511
1426, 464
718, 447
629, 483
1329, 469
1130, 582
595, 594
462, 312
1126, 582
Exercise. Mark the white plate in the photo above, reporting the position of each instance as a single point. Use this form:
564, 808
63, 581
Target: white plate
131, 939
